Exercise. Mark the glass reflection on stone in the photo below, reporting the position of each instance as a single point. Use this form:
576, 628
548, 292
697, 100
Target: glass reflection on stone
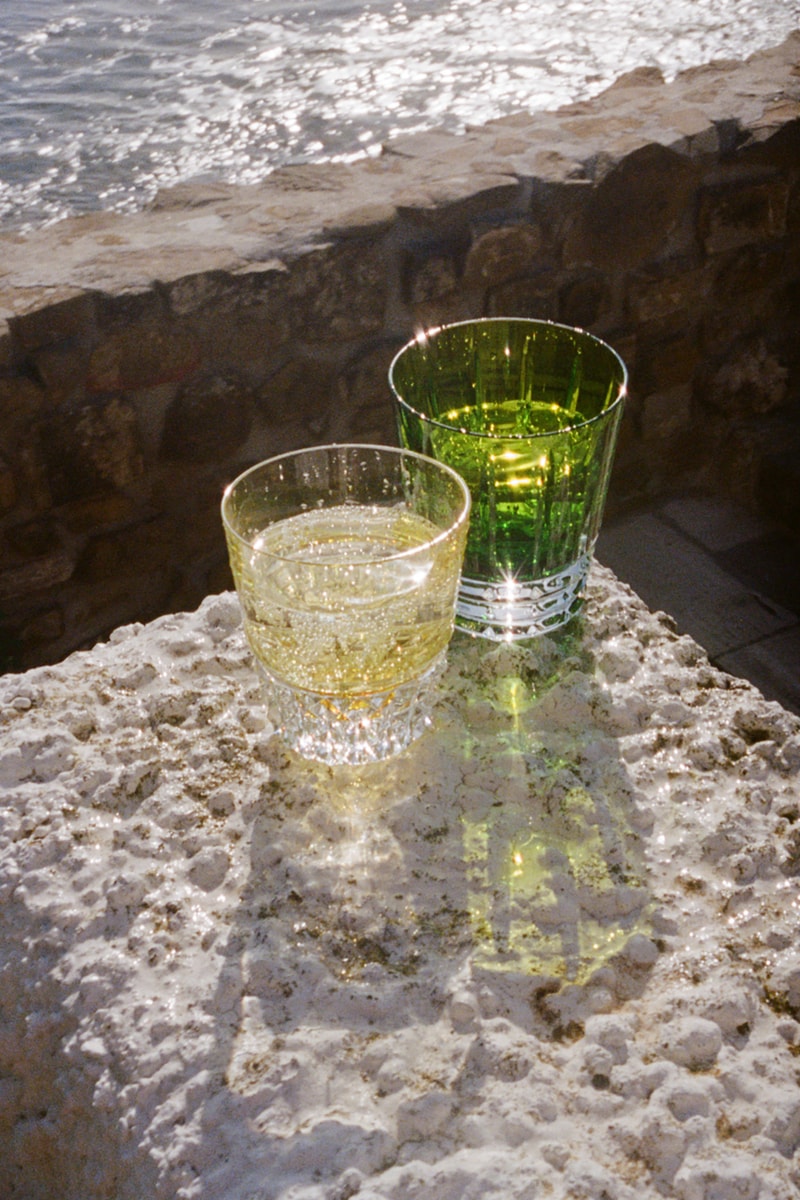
507, 848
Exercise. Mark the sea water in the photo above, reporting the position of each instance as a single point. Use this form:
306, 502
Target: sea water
103, 104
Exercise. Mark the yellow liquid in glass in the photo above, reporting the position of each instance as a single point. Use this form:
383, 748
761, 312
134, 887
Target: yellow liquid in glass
334, 605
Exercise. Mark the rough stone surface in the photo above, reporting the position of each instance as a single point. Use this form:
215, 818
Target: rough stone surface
209, 419
552, 952
146, 359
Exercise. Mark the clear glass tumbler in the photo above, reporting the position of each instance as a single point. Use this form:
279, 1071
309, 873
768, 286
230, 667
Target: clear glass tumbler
527, 412
346, 561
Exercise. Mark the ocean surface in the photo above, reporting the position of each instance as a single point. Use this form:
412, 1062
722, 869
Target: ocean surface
103, 102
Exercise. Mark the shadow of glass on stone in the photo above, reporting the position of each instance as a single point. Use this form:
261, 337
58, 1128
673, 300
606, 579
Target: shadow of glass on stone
501, 848
496, 870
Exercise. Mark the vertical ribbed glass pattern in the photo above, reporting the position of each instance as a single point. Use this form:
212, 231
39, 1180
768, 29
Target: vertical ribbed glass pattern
528, 413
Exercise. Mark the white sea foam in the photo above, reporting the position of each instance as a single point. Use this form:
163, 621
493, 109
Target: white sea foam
99, 109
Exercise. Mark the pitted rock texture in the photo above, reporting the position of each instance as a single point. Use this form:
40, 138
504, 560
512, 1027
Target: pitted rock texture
551, 952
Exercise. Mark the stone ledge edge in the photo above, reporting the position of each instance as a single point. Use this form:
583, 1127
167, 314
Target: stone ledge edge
195, 228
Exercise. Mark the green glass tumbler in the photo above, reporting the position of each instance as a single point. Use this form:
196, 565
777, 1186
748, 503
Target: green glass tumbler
527, 412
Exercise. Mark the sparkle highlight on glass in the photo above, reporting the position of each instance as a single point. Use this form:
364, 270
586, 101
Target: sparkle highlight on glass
527, 412
346, 561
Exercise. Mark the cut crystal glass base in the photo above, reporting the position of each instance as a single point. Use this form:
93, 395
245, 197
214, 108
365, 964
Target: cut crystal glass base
513, 609
351, 729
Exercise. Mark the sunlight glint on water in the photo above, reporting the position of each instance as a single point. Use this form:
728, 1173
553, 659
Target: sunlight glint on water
100, 107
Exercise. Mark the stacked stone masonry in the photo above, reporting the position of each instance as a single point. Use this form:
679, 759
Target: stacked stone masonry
146, 359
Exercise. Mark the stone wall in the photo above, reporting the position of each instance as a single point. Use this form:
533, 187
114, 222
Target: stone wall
145, 360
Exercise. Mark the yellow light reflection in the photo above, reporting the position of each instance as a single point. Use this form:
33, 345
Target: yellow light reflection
513, 697
525, 919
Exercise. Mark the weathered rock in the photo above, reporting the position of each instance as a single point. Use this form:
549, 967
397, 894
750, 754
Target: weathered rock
91, 446
209, 418
226, 972
634, 215
503, 254
741, 212
145, 359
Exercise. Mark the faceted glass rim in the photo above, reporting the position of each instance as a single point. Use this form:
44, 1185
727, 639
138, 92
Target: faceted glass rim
395, 452
425, 335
